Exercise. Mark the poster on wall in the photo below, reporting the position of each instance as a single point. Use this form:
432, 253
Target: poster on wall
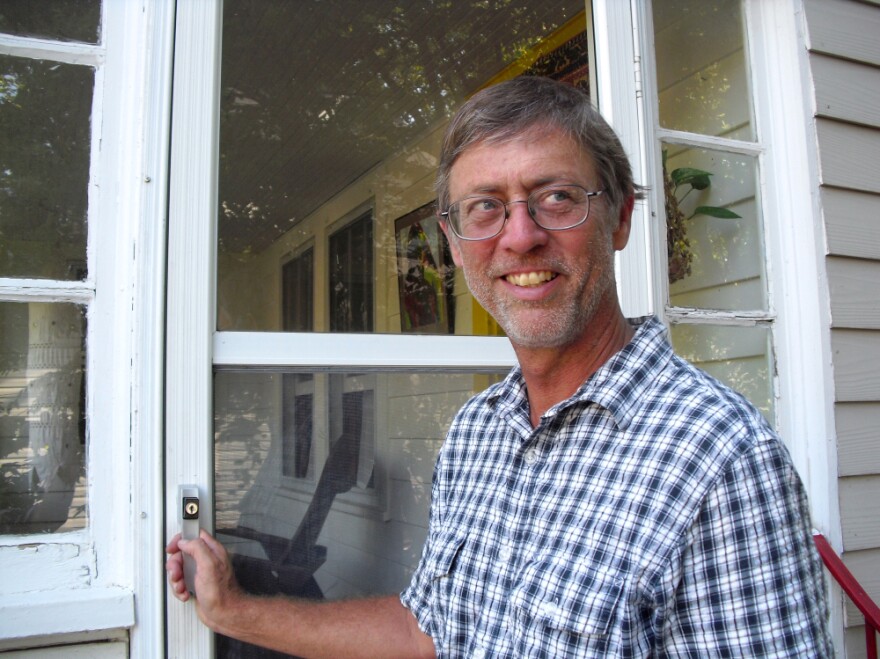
425, 274
568, 62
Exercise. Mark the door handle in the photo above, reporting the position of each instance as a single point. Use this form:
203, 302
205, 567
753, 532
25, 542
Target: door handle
188, 515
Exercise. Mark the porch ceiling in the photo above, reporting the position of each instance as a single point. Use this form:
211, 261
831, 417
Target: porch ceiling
316, 93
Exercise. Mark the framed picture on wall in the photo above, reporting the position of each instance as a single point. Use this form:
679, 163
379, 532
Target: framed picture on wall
424, 273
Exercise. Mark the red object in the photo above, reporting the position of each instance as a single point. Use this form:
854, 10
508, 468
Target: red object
854, 591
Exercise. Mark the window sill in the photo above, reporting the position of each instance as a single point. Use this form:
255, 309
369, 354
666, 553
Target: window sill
54, 612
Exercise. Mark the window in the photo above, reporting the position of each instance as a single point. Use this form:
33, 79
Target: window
45, 119
351, 276
718, 302
72, 160
297, 411
45, 162
298, 390
297, 285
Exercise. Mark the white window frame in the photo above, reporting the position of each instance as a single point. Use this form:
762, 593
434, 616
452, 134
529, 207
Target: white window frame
81, 585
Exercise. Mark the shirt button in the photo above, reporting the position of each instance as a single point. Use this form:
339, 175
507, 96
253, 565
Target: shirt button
505, 553
531, 456
550, 610
479, 653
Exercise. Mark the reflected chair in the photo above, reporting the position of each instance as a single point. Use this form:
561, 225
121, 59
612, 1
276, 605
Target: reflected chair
290, 563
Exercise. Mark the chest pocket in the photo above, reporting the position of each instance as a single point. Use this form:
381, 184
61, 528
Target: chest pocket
569, 597
445, 555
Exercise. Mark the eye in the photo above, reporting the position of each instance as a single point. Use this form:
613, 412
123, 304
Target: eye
554, 198
481, 207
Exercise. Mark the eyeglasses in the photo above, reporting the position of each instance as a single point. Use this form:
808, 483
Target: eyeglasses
554, 208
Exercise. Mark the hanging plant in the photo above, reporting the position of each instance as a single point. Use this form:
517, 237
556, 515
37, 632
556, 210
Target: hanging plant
677, 185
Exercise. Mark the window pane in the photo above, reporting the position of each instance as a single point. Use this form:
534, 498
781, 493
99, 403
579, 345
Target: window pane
354, 527
330, 107
64, 20
297, 286
702, 75
741, 357
42, 420
45, 112
351, 276
714, 238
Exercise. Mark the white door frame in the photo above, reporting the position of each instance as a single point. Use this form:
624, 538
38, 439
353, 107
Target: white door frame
191, 287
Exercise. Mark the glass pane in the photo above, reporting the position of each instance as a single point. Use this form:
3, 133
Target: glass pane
42, 420
45, 113
64, 20
741, 357
332, 109
702, 74
352, 517
351, 276
714, 237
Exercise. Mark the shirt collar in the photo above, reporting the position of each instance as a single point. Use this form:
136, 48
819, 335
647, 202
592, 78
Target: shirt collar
618, 385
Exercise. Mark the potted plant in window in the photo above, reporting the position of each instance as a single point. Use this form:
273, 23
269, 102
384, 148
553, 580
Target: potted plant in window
677, 185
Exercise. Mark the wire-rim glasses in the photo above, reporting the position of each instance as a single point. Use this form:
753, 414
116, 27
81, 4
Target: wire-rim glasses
554, 208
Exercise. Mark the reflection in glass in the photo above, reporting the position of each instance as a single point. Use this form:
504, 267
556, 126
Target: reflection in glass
741, 357
64, 20
702, 75
45, 112
351, 276
42, 420
351, 518
714, 230
327, 108
297, 292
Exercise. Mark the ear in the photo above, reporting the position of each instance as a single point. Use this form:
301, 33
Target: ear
452, 239
620, 236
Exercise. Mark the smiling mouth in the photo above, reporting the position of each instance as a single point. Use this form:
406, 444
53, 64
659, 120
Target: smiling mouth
528, 279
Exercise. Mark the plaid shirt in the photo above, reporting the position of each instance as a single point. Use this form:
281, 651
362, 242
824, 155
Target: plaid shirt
654, 513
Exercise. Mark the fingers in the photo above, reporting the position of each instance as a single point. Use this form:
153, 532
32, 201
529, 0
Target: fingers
171, 547
213, 544
205, 550
174, 568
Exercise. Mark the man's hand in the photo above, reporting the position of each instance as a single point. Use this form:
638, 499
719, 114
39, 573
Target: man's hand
374, 627
218, 594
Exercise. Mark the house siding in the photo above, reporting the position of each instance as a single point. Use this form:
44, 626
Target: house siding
844, 63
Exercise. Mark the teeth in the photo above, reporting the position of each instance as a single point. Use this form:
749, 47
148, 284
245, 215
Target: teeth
530, 278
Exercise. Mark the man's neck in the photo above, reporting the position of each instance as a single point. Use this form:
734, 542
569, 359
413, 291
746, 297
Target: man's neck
554, 374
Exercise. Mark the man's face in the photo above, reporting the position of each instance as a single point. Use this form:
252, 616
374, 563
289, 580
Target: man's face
543, 287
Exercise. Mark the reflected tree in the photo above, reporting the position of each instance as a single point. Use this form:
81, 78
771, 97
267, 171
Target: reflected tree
45, 110
315, 94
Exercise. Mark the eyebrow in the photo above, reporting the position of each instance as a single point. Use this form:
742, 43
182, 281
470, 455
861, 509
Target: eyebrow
543, 182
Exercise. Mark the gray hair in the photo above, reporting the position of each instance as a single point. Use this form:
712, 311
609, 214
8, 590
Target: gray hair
508, 109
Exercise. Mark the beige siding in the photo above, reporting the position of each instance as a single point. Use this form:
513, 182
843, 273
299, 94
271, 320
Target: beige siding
856, 355
859, 497
848, 155
852, 223
855, 292
857, 430
845, 68
845, 29
846, 90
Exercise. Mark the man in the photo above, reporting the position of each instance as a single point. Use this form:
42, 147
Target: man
606, 499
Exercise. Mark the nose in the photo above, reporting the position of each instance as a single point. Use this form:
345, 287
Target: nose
521, 233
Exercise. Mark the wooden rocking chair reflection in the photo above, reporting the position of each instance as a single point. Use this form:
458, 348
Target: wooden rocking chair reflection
291, 563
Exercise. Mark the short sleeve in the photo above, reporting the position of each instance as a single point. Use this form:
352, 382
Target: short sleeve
751, 581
